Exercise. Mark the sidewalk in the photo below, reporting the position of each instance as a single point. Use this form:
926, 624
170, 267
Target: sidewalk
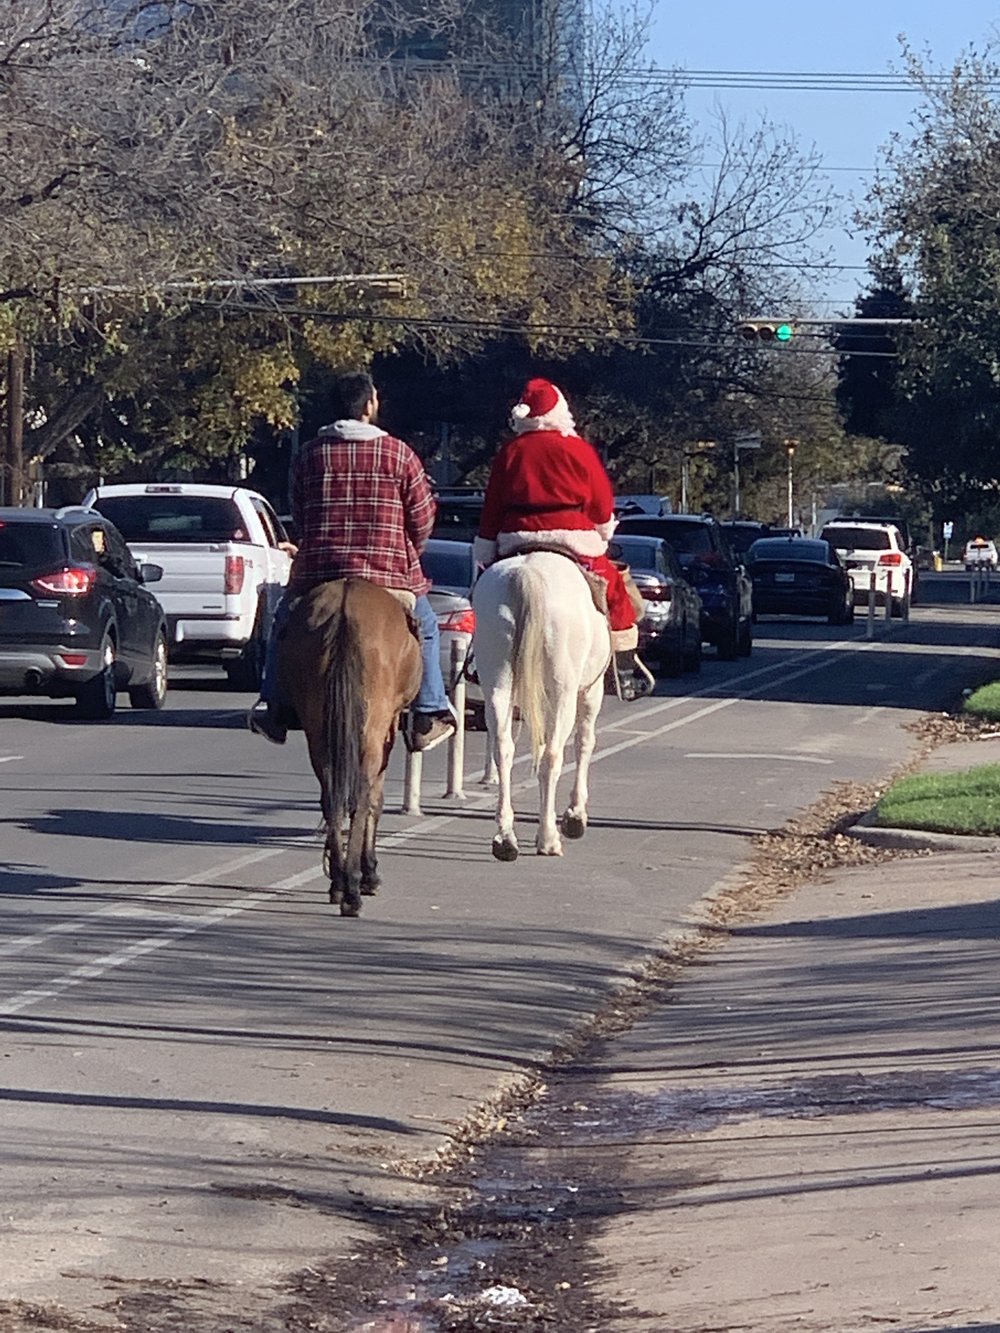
813, 1125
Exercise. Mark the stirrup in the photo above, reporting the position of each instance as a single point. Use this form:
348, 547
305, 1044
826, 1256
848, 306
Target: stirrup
640, 683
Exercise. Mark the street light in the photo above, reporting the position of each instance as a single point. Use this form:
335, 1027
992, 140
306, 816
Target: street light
790, 447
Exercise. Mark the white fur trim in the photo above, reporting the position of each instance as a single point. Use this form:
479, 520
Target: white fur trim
484, 551
577, 541
607, 530
623, 639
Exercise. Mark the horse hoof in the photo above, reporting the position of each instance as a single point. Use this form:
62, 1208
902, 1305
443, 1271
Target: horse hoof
350, 908
573, 826
370, 888
549, 848
504, 850
336, 895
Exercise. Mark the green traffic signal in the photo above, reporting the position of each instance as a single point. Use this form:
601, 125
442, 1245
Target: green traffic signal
783, 333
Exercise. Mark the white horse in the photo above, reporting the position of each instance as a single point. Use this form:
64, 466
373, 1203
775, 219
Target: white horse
543, 647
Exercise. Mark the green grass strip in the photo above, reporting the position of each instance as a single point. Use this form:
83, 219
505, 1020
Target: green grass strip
965, 802
985, 702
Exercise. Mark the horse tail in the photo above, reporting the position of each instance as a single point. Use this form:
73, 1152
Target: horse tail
528, 658
343, 723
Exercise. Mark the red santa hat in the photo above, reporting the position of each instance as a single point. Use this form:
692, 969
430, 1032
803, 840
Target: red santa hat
541, 407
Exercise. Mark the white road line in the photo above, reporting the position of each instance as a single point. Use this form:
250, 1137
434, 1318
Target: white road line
186, 926
10, 758
790, 758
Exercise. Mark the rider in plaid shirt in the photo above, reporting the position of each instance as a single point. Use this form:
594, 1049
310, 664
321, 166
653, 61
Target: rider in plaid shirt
363, 508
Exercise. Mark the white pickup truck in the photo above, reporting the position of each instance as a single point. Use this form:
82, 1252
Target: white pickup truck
223, 566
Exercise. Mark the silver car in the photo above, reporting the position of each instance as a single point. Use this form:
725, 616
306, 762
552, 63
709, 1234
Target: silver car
451, 568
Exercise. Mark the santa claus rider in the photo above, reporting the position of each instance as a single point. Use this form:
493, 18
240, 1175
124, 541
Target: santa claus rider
549, 489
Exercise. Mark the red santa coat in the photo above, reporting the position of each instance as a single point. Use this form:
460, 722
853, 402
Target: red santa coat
550, 489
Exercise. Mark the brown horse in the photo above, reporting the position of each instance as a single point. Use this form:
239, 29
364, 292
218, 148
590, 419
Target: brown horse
349, 665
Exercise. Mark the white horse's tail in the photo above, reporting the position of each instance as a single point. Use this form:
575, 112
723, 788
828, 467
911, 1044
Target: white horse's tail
528, 658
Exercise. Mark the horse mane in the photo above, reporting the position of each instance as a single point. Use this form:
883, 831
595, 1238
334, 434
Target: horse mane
343, 721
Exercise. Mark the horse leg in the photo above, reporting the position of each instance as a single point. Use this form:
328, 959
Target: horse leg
574, 821
558, 724
370, 878
500, 725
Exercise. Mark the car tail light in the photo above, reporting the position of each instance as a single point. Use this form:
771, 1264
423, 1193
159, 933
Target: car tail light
72, 582
459, 622
235, 574
891, 558
73, 659
656, 592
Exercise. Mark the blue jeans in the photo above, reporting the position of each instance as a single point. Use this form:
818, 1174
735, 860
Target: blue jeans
431, 697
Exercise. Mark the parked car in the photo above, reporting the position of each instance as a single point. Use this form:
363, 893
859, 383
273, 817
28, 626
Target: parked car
75, 619
980, 554
458, 512
719, 578
903, 528
451, 568
800, 576
868, 547
220, 548
670, 629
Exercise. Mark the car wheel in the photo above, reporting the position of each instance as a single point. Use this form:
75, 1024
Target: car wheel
244, 673
95, 701
729, 644
745, 639
153, 693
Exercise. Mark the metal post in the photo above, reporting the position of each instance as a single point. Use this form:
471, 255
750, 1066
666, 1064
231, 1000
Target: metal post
888, 597
15, 424
791, 505
456, 745
412, 779
907, 585
684, 482
736, 481
870, 628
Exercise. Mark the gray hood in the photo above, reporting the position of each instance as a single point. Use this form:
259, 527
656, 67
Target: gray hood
353, 430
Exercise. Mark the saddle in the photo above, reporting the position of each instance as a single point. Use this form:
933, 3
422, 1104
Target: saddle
598, 588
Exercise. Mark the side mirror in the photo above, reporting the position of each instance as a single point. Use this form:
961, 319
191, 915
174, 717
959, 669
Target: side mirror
149, 573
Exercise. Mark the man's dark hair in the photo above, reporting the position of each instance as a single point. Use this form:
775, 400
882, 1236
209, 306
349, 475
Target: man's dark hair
351, 391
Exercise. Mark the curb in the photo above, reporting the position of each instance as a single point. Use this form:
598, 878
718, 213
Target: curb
917, 840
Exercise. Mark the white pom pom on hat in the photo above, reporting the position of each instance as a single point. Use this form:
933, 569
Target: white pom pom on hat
542, 407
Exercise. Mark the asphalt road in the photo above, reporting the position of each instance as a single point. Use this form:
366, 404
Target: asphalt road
209, 1077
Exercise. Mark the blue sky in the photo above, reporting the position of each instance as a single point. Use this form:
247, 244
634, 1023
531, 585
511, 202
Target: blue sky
850, 36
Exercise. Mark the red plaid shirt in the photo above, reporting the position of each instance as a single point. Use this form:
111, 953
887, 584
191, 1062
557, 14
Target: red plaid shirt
363, 508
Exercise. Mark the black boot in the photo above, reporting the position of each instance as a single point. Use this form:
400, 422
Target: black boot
634, 679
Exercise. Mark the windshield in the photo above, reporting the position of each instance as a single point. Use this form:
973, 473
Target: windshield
448, 569
30, 544
686, 538
857, 539
781, 548
174, 518
639, 555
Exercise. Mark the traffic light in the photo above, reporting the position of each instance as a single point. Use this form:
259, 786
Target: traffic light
766, 330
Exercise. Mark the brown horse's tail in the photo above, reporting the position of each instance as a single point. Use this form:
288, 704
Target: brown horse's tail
343, 724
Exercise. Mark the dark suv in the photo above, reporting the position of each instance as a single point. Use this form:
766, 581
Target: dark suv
719, 578
75, 620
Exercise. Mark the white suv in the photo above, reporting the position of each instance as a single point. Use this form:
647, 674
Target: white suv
867, 548
980, 554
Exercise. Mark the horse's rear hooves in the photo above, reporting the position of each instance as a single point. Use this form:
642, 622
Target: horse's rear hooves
369, 890
552, 849
348, 908
573, 826
504, 851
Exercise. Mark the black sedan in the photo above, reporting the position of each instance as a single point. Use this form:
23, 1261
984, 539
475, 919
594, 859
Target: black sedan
670, 630
797, 576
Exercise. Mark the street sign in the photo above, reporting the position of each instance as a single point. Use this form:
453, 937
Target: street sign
947, 529
748, 440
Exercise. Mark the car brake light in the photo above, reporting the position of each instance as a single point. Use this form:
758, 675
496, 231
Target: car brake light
891, 558
73, 659
72, 582
235, 573
459, 622
657, 592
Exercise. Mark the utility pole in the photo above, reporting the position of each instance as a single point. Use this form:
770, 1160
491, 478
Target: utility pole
790, 447
15, 424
